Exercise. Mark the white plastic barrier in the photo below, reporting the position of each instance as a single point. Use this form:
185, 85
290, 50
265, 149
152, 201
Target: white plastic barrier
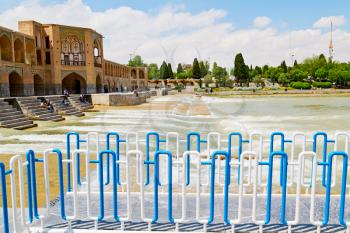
251, 177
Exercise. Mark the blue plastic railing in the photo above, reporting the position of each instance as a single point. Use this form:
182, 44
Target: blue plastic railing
326, 163
155, 162
117, 152
60, 177
324, 153
282, 148
188, 147
284, 159
148, 138
240, 149
5, 217
343, 187
101, 184
31, 185
68, 151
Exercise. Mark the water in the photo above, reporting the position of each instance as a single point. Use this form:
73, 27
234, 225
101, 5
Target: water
185, 113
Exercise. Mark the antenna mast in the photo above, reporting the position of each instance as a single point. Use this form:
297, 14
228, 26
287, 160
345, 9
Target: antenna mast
330, 47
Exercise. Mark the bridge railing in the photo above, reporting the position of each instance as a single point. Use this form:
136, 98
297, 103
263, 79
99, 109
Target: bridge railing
213, 165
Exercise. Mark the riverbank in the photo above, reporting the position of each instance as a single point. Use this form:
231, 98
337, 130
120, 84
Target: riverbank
317, 92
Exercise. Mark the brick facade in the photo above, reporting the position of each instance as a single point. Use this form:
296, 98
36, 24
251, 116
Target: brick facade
45, 59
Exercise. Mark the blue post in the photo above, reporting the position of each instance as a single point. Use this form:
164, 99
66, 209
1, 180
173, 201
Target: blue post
68, 151
284, 159
148, 136
283, 141
4, 198
226, 185
101, 185
188, 148
117, 151
31, 184
240, 149
343, 187
212, 183
324, 154
60, 176
155, 162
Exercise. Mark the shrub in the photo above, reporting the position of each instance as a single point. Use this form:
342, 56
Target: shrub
300, 85
322, 84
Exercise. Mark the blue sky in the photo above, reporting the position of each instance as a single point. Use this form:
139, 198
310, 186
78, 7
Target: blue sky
265, 31
294, 14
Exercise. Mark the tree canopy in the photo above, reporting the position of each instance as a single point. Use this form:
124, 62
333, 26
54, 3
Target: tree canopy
163, 72
136, 61
241, 70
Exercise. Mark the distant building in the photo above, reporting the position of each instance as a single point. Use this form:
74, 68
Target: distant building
45, 59
186, 66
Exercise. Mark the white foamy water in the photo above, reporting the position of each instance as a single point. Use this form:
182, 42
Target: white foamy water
264, 114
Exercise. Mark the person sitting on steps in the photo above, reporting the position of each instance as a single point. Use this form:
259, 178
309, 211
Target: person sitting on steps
82, 98
50, 107
66, 93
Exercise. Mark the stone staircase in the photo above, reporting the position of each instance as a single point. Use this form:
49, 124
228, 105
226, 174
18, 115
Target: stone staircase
31, 107
64, 109
75, 101
10, 117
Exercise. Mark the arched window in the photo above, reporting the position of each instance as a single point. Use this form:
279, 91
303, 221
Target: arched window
73, 51
6, 49
19, 51
97, 53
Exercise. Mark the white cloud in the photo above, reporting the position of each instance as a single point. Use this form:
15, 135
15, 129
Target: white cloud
177, 35
261, 21
325, 22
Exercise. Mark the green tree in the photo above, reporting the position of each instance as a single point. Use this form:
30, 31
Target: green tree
322, 58
220, 75
196, 70
241, 70
207, 80
163, 72
179, 68
321, 73
283, 79
203, 69
284, 66
298, 75
264, 69
258, 70
295, 63
259, 80
136, 62
153, 71
189, 73
170, 71
273, 73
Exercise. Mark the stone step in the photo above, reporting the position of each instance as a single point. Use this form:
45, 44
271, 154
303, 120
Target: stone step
75, 113
10, 117
38, 110
52, 118
10, 110
26, 126
30, 105
9, 113
27, 98
17, 124
28, 101
5, 107
48, 117
11, 121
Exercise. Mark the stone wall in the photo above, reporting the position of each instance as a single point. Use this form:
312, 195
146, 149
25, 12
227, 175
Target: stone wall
118, 99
